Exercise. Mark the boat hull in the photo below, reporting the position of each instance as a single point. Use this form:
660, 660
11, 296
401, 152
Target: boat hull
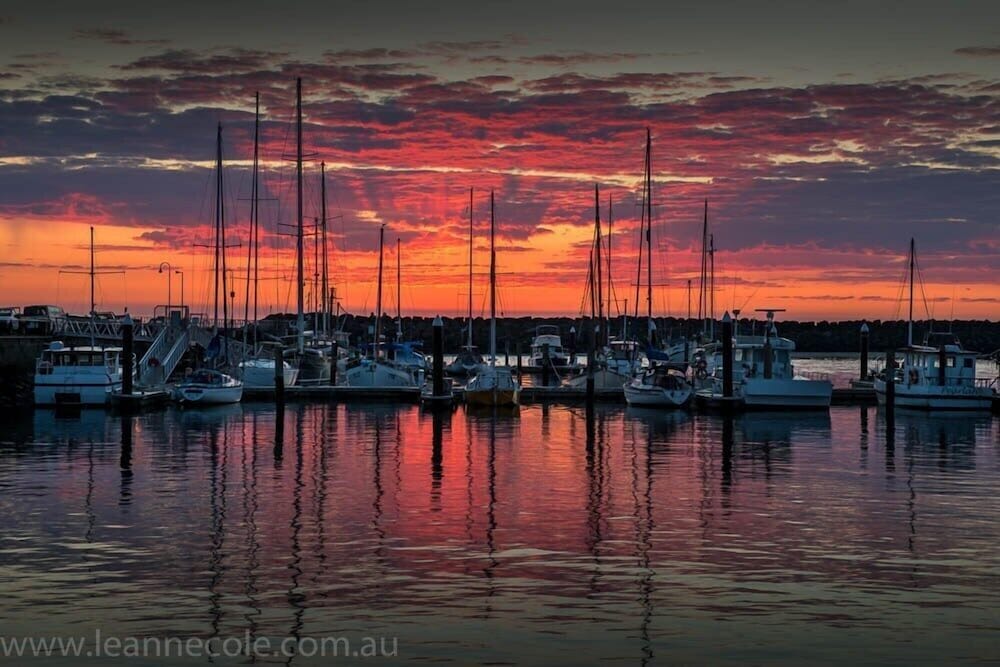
604, 379
208, 395
785, 393
376, 375
923, 397
649, 396
488, 397
74, 393
259, 375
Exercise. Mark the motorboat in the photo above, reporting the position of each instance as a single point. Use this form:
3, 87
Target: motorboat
208, 387
548, 342
763, 374
77, 375
938, 375
658, 385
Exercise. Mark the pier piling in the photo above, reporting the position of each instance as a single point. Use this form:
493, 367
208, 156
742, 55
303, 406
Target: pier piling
727, 356
546, 365
438, 367
334, 351
890, 380
128, 354
864, 351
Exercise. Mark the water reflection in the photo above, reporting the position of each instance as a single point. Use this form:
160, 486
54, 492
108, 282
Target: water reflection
633, 534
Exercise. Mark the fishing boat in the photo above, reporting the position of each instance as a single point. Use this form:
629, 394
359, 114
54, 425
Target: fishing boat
938, 375
377, 370
468, 361
79, 375
547, 349
658, 385
208, 387
764, 376
493, 385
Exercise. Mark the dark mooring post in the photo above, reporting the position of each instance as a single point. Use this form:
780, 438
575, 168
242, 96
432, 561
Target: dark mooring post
128, 354
438, 368
727, 356
942, 364
890, 380
864, 350
591, 361
546, 365
519, 381
334, 351
279, 377
572, 344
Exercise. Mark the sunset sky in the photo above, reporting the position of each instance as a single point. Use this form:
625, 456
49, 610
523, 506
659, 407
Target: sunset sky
824, 136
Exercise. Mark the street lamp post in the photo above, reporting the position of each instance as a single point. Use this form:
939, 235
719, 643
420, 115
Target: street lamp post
169, 295
181, 273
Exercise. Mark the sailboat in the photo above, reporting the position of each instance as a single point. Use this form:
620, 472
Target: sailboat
376, 371
210, 385
493, 385
468, 360
314, 360
938, 375
85, 375
614, 362
257, 371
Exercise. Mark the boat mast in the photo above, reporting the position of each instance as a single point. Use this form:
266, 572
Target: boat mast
909, 327
470, 267
598, 278
711, 286
649, 236
253, 250
325, 287
493, 286
399, 295
93, 302
378, 301
610, 230
301, 319
703, 277
218, 228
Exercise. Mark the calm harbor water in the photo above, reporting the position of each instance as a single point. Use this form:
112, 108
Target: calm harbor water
548, 536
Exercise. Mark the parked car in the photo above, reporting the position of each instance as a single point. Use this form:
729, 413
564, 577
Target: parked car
42, 320
9, 319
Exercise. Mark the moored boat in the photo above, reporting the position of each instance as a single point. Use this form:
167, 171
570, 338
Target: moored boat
77, 375
208, 387
658, 386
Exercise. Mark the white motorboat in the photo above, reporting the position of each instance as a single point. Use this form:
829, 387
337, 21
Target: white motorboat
939, 375
547, 339
77, 375
658, 386
493, 385
258, 373
208, 387
764, 376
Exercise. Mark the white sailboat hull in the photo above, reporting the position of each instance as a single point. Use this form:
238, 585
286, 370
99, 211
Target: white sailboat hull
376, 374
208, 395
259, 374
656, 396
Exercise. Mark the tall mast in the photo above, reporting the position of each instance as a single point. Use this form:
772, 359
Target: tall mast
93, 302
325, 287
378, 300
610, 230
703, 276
642, 243
301, 319
253, 250
316, 268
649, 235
220, 235
909, 327
470, 266
598, 278
711, 285
493, 286
399, 295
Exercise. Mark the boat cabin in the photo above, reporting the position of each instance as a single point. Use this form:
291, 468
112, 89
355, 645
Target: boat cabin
57, 359
945, 364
